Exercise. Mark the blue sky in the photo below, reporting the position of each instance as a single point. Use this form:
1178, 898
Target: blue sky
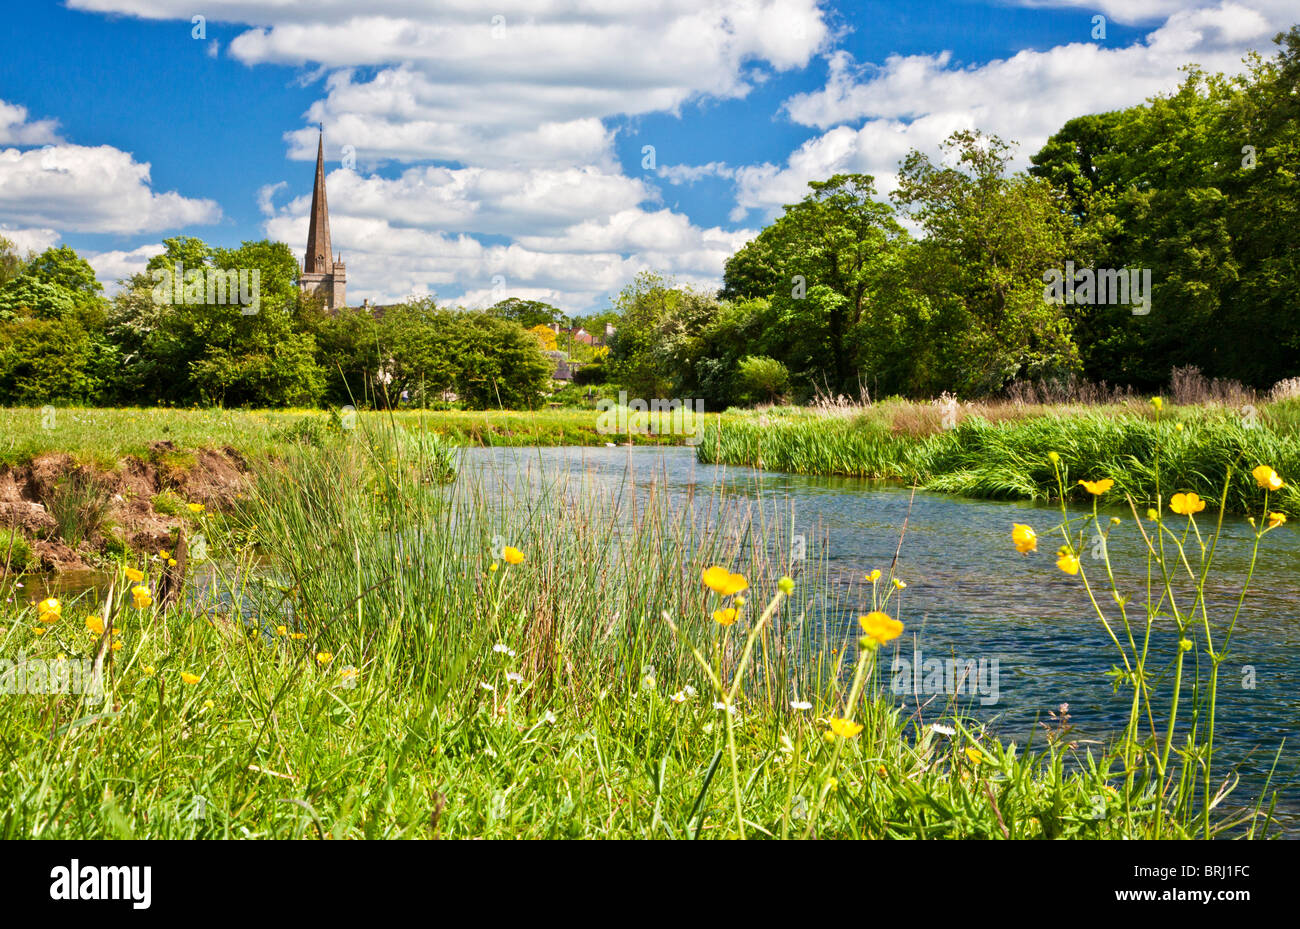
499, 146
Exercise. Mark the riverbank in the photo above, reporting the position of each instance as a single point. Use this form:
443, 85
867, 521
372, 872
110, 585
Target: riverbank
106, 436
1002, 452
410, 659
82, 485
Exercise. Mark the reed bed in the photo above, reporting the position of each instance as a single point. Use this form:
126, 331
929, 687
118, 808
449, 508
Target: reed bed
1193, 448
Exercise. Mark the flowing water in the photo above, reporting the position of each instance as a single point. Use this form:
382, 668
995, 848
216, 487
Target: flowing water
972, 597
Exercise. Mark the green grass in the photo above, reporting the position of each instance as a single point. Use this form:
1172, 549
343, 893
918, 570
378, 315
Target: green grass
609, 729
977, 458
102, 436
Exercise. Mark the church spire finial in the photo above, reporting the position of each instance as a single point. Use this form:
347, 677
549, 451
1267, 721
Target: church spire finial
319, 259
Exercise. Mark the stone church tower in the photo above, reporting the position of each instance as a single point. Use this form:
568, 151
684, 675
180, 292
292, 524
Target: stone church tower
323, 275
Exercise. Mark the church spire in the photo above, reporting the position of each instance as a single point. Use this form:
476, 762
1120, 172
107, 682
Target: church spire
319, 258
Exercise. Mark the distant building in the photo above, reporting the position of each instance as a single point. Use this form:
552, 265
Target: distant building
564, 368
324, 276
578, 334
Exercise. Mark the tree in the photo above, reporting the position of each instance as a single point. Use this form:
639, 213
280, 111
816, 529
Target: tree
989, 239
529, 313
64, 268
819, 264
762, 378
1200, 187
545, 335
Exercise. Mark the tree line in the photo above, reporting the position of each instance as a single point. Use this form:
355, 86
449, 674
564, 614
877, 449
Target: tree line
940, 287
61, 341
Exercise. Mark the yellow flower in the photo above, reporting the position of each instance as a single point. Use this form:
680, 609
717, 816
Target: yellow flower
171, 562
975, 755
1097, 488
725, 617
882, 771
1068, 563
720, 580
148, 669
493, 567
282, 631
1179, 427
49, 610
189, 678
208, 704
1152, 514
141, 597
512, 555
324, 657
899, 585
1276, 519
880, 627
116, 644
195, 508
1053, 457
134, 576
1186, 504
1267, 478
1158, 403
845, 728
298, 636
39, 630
785, 585
874, 575
1024, 538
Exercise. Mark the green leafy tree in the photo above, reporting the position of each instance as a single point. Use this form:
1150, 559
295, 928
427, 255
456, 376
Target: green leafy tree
819, 264
1200, 187
762, 378
990, 236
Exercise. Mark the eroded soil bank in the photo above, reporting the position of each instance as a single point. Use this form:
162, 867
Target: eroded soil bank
57, 514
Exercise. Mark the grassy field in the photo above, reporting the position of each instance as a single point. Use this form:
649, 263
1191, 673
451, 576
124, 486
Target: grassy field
1000, 451
390, 656
104, 436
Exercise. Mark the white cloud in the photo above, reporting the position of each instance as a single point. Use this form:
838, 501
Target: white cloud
516, 81
114, 266
30, 240
916, 101
689, 174
90, 189
577, 267
499, 114
488, 201
16, 130
1145, 11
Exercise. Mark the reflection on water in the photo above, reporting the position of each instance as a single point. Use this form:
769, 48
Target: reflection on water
970, 594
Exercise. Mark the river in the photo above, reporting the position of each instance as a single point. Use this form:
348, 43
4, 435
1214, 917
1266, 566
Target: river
971, 596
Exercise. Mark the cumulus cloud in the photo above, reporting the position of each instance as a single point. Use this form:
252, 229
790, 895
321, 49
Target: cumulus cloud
112, 267
521, 80
15, 129
499, 118
873, 115
488, 201
90, 189
30, 240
